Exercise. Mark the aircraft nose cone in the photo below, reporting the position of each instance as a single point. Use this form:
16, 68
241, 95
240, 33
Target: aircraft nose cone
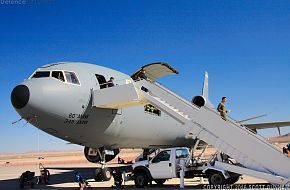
20, 96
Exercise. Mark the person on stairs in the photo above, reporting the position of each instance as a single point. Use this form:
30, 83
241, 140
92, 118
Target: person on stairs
222, 108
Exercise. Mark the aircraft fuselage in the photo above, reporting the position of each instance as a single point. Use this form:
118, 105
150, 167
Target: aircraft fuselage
62, 106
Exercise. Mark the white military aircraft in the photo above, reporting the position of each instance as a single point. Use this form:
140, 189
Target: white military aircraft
72, 101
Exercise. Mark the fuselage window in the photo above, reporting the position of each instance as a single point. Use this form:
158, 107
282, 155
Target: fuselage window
41, 74
58, 75
102, 81
71, 77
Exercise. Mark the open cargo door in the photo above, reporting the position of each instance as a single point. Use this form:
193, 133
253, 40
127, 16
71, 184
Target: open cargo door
156, 70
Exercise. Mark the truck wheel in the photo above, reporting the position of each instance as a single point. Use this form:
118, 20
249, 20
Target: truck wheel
106, 174
160, 181
216, 178
141, 180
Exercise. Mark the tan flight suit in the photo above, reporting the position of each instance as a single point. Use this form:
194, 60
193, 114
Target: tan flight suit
223, 110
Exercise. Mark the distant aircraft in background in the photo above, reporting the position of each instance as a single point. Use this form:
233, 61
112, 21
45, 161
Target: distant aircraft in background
65, 100
277, 139
280, 139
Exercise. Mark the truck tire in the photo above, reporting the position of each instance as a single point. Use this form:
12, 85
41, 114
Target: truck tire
159, 181
141, 180
216, 178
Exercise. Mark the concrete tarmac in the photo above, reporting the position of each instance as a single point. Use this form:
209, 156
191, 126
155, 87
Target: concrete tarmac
62, 167
62, 177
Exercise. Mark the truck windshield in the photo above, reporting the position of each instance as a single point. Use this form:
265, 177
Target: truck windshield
181, 153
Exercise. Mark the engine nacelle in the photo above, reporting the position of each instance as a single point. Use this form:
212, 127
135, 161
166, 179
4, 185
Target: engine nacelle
199, 101
93, 155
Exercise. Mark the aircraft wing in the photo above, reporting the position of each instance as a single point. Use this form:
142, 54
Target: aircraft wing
266, 125
156, 70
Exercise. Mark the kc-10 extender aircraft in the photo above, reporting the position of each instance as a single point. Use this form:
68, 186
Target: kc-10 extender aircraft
71, 101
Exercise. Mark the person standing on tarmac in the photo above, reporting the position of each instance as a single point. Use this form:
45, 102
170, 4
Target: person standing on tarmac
222, 108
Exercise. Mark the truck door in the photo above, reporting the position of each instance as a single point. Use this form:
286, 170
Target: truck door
161, 166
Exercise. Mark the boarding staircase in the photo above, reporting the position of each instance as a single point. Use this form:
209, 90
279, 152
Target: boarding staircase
258, 157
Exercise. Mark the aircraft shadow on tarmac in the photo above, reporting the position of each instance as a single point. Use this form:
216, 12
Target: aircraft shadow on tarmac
66, 175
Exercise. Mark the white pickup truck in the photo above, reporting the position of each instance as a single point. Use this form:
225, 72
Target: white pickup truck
165, 165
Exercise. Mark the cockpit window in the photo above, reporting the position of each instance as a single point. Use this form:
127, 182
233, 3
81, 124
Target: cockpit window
64, 76
71, 77
58, 75
41, 74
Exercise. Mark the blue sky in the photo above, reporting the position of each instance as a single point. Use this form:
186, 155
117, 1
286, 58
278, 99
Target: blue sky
244, 45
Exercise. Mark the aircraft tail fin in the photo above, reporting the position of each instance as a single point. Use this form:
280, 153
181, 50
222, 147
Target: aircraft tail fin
205, 91
205, 86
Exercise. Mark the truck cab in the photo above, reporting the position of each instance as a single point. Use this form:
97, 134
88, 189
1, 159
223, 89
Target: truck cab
161, 167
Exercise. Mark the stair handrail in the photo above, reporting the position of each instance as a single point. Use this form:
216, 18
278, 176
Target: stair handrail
174, 94
248, 131
162, 87
117, 82
235, 149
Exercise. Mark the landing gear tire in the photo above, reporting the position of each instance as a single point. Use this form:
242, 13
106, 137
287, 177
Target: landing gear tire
160, 181
141, 180
102, 174
216, 178
106, 174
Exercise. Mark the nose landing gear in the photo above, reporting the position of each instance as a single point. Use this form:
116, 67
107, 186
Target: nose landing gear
103, 173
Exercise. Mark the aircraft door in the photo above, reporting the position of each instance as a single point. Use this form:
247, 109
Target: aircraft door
101, 80
161, 166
